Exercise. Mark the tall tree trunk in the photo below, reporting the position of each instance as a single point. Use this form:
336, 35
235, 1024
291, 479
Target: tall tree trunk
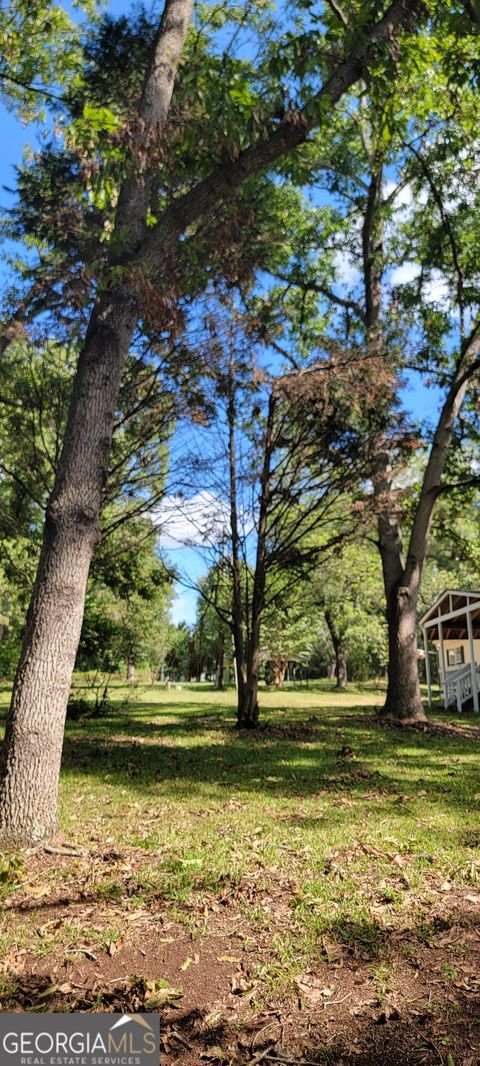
248, 709
131, 673
34, 734
239, 648
341, 672
403, 698
221, 664
247, 648
402, 577
403, 684
199, 660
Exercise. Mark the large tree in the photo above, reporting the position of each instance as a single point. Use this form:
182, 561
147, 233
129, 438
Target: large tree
426, 219
139, 258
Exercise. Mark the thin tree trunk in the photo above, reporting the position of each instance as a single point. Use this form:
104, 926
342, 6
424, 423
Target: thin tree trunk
198, 646
131, 673
237, 598
248, 709
4, 610
341, 672
279, 670
221, 665
34, 734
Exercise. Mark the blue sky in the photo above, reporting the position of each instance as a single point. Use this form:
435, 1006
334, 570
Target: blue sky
419, 401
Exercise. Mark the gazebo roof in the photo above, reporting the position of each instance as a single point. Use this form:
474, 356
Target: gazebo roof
451, 609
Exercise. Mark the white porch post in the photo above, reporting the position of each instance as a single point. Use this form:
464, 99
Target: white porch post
427, 666
472, 660
442, 661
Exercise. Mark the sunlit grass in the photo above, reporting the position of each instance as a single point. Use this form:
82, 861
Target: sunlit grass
361, 824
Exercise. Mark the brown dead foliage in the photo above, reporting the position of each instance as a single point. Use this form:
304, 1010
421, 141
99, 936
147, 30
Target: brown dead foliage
429, 726
409, 997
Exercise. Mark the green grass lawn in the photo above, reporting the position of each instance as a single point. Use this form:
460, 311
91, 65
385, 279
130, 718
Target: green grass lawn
367, 830
317, 788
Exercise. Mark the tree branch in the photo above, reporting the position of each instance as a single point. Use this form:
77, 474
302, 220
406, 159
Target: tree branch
323, 290
290, 134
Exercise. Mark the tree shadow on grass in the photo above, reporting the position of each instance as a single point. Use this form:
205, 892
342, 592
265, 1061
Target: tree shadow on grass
302, 754
220, 759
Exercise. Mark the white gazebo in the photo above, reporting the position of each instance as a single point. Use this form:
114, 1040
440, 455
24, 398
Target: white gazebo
453, 625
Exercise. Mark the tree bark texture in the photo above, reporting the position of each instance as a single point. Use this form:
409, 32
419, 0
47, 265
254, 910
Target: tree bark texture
220, 665
34, 734
341, 671
279, 668
248, 709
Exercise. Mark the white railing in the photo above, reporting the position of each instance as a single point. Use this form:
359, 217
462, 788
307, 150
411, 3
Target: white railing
457, 687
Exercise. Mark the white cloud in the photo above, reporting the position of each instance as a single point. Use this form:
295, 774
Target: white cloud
405, 273
404, 197
345, 270
198, 521
435, 289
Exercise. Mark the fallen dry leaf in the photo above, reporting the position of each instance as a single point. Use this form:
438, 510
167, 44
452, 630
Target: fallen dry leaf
214, 1054
332, 950
311, 989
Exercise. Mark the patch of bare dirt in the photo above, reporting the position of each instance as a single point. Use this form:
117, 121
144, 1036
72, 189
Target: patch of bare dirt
410, 996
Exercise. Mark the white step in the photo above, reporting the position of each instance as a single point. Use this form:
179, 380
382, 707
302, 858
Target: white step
457, 686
